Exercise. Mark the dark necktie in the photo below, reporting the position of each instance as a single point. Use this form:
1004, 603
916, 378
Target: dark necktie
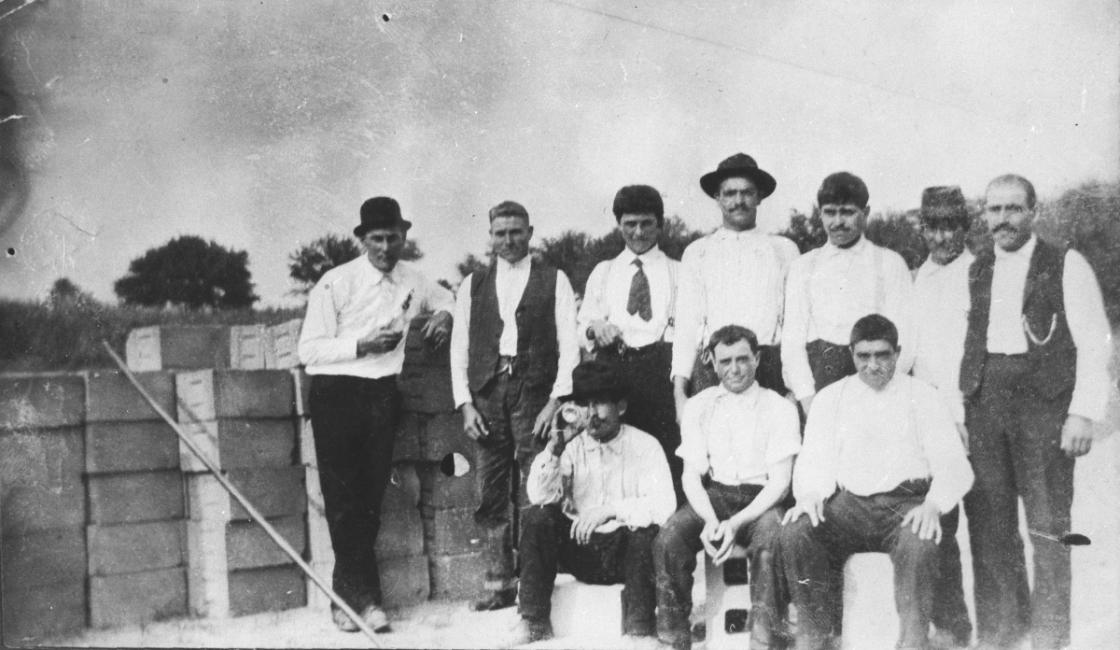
639, 294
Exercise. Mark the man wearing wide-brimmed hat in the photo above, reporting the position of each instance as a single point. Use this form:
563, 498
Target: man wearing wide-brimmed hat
735, 275
352, 345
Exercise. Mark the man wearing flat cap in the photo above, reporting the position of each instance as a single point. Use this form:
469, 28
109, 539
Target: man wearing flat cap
735, 275
599, 492
627, 317
512, 354
352, 345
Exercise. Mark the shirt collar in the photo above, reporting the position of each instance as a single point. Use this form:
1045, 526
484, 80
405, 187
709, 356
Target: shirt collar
392, 277
724, 233
520, 264
929, 267
750, 395
652, 255
614, 445
1024, 253
831, 249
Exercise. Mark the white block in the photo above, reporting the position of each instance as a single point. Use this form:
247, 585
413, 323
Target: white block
318, 535
722, 598
282, 345
205, 436
582, 610
207, 573
195, 392
142, 351
307, 444
870, 617
207, 500
247, 347
316, 598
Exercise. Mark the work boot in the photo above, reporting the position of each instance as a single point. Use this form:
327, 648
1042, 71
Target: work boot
495, 600
372, 615
530, 631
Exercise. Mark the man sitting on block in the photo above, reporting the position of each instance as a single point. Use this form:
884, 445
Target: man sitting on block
599, 492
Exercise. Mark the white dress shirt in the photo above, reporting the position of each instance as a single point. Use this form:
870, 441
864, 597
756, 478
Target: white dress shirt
629, 473
1085, 314
738, 437
608, 294
510, 281
938, 324
828, 290
729, 278
353, 300
869, 442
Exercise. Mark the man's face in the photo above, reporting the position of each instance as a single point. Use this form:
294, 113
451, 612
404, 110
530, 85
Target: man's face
735, 365
1007, 215
738, 199
945, 240
875, 362
383, 247
843, 222
639, 231
605, 418
509, 237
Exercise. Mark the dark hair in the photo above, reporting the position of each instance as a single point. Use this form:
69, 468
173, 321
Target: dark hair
639, 199
509, 209
731, 334
1015, 179
875, 327
841, 188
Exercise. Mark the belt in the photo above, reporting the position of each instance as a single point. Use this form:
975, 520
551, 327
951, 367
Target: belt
625, 352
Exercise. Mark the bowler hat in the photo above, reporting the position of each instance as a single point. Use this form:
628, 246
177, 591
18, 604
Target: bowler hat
597, 379
380, 212
738, 165
944, 203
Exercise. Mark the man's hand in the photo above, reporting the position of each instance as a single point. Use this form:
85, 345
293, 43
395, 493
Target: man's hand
437, 329
711, 535
729, 530
962, 431
815, 510
473, 423
544, 419
925, 520
1077, 435
559, 437
589, 521
606, 334
379, 342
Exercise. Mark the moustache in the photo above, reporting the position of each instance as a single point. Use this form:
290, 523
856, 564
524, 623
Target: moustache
1003, 226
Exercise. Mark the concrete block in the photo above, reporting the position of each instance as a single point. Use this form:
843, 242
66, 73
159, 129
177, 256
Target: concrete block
32, 617
404, 580
582, 610
40, 401
135, 496
302, 382
274, 491
451, 532
451, 483
207, 572
306, 442
134, 598
130, 447
111, 397
41, 484
406, 445
204, 436
177, 347
402, 494
282, 345
316, 598
869, 608
128, 548
240, 442
457, 577
426, 389
443, 434
249, 547
728, 600
247, 345
418, 353
219, 394
266, 589
401, 534
207, 500
318, 535
41, 559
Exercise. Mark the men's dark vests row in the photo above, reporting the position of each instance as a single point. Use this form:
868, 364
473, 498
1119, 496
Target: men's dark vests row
1050, 345
537, 350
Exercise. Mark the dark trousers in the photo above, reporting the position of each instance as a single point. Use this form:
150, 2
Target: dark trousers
504, 457
354, 421
950, 612
621, 556
674, 556
650, 405
811, 557
829, 362
768, 374
1014, 446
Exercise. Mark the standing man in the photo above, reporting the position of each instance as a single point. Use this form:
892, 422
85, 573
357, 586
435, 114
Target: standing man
512, 356
938, 320
351, 343
1034, 376
740, 438
881, 463
735, 275
627, 317
830, 287
600, 492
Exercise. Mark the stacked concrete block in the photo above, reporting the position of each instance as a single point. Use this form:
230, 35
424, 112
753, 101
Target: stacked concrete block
184, 347
42, 507
425, 380
282, 345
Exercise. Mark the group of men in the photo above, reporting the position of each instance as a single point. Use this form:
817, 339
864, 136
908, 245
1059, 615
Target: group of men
746, 395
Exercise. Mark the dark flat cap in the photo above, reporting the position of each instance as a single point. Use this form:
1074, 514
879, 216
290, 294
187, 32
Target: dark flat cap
945, 203
598, 379
380, 212
738, 165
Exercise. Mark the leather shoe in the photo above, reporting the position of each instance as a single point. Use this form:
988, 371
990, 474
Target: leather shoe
372, 615
530, 631
495, 600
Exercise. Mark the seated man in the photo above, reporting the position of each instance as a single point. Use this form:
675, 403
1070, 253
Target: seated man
881, 463
743, 437
599, 492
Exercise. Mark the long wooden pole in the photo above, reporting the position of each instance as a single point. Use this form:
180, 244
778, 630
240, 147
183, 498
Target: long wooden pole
236, 494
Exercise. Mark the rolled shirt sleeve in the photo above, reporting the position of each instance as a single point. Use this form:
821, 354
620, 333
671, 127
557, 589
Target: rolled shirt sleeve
318, 343
949, 468
545, 484
460, 341
655, 501
593, 307
795, 329
568, 348
689, 318
1088, 325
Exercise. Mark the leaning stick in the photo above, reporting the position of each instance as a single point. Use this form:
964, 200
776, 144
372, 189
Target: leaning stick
236, 494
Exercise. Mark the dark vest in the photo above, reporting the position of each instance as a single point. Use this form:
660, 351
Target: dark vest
1049, 344
537, 350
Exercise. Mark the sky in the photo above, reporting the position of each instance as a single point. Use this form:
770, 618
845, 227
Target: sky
264, 125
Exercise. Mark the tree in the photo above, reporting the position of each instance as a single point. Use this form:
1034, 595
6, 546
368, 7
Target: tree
65, 294
191, 272
805, 231
900, 232
309, 262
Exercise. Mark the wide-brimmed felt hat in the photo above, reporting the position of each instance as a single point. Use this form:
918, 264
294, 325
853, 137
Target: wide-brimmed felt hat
597, 379
944, 203
380, 212
738, 165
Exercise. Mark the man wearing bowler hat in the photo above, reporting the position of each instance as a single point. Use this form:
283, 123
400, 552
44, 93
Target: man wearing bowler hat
352, 345
735, 275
